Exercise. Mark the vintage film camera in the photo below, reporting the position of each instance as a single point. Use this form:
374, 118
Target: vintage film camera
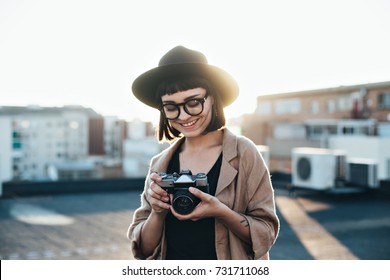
177, 184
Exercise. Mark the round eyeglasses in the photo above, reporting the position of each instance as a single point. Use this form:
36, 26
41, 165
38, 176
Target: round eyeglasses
192, 107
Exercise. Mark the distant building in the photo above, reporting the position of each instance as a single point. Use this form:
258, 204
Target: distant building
71, 142
6, 149
139, 148
73, 170
309, 118
96, 141
39, 136
106, 136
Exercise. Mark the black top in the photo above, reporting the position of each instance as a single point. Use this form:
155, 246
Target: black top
192, 240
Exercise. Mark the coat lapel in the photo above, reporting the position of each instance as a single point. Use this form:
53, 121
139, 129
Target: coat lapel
228, 171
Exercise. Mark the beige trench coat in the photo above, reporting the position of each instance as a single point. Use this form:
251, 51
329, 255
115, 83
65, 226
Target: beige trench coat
244, 185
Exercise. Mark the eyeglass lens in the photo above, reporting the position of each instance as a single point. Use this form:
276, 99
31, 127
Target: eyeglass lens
192, 107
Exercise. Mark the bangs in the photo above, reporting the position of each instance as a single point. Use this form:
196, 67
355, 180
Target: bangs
181, 84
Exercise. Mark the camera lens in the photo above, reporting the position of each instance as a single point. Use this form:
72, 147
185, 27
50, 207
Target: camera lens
184, 202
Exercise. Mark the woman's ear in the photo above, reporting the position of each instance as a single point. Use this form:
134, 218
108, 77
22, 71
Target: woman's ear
212, 100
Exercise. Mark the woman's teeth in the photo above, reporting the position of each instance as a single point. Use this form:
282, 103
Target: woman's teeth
188, 124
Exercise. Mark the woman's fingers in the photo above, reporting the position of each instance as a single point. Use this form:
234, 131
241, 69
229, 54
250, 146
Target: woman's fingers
158, 197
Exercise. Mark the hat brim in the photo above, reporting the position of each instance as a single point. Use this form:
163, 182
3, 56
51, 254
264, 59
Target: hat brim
144, 87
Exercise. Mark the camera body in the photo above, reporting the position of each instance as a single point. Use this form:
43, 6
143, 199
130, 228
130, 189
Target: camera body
183, 201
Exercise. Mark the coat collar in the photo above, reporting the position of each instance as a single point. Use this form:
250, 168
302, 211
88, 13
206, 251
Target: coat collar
228, 168
229, 145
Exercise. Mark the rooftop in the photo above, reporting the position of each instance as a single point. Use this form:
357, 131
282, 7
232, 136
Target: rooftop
36, 109
339, 89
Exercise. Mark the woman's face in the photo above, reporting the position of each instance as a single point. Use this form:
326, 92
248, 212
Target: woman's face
187, 124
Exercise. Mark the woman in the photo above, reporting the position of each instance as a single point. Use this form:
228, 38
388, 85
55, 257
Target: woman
235, 218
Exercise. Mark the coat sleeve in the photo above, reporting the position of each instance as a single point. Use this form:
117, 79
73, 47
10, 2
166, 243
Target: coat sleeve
261, 211
135, 228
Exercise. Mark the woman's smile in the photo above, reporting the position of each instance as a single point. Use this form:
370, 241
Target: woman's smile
189, 124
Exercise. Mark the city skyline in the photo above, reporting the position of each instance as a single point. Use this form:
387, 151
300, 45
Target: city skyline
88, 53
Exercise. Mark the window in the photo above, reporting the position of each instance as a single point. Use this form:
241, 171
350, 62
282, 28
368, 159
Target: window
319, 131
287, 106
264, 108
16, 140
384, 100
314, 107
344, 103
331, 106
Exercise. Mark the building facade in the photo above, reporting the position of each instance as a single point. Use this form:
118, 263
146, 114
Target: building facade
139, 147
39, 136
34, 138
71, 142
309, 118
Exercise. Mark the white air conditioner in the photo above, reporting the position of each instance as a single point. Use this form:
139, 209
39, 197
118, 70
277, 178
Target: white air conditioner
341, 164
362, 172
264, 151
388, 168
313, 168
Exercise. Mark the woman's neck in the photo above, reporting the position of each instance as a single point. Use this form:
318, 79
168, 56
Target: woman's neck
203, 142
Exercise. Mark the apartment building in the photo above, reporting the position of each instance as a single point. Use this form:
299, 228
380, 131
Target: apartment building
34, 137
308, 118
71, 142
139, 147
106, 135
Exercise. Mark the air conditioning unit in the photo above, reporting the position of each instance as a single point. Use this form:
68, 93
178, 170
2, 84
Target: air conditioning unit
313, 168
388, 168
264, 151
341, 165
362, 173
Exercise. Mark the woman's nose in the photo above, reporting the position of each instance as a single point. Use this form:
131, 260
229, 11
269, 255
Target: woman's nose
183, 115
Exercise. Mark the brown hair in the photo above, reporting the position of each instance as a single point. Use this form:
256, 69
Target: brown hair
165, 131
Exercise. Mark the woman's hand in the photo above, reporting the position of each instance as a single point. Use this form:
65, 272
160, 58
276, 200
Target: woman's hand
152, 229
209, 206
157, 196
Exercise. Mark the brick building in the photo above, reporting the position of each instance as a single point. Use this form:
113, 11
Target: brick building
308, 118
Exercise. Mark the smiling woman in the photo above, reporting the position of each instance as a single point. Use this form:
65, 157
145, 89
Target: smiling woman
225, 220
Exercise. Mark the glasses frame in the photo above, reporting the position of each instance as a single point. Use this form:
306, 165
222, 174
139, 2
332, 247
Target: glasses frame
183, 104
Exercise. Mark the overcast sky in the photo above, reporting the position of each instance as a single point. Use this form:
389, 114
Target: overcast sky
88, 52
